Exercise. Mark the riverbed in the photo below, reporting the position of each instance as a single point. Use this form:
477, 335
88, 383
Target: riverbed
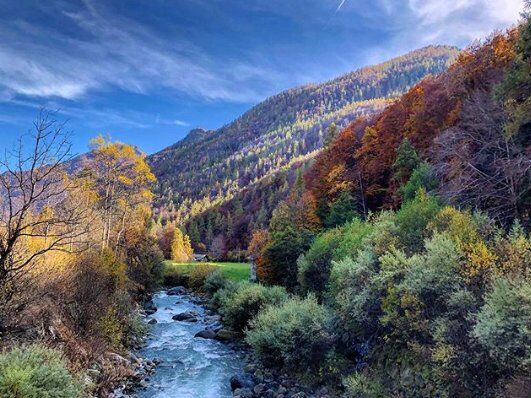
190, 367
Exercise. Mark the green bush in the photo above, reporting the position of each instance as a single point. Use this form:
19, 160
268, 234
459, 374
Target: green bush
314, 266
175, 275
353, 236
358, 385
355, 297
240, 306
35, 372
412, 220
293, 335
214, 282
198, 275
504, 324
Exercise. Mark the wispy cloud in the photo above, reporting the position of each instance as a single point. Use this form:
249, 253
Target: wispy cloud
110, 50
182, 123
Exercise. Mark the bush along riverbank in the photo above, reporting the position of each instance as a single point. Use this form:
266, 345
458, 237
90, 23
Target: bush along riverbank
233, 313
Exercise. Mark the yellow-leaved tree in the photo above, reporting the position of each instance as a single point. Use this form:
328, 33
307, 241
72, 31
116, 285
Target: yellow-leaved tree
123, 183
181, 248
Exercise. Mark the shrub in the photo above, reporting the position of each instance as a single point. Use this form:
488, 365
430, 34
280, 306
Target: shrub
358, 385
36, 372
503, 324
214, 282
175, 275
314, 266
223, 296
293, 335
247, 300
355, 297
198, 275
352, 239
412, 220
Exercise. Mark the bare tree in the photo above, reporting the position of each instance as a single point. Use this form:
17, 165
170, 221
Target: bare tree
34, 200
480, 167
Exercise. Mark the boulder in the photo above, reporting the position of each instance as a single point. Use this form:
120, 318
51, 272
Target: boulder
187, 316
149, 307
206, 334
152, 321
176, 291
242, 393
241, 380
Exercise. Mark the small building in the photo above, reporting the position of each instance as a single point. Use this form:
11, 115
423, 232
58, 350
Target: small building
201, 258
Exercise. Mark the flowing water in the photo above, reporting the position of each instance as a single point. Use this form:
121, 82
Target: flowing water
191, 367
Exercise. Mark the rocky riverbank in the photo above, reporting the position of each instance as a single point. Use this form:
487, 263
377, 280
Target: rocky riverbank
248, 380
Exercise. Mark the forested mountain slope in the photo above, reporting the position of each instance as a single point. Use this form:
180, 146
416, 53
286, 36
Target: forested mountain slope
208, 167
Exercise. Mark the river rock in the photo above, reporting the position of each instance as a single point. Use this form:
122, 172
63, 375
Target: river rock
187, 316
149, 307
226, 335
176, 291
152, 321
241, 380
206, 334
243, 393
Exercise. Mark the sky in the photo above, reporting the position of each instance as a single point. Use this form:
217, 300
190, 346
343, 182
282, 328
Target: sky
145, 72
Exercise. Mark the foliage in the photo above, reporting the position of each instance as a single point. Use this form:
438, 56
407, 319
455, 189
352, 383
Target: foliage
35, 371
181, 249
240, 307
293, 335
198, 275
178, 273
341, 211
215, 281
314, 265
421, 178
204, 177
504, 322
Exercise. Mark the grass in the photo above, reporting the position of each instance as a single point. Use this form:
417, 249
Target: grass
232, 271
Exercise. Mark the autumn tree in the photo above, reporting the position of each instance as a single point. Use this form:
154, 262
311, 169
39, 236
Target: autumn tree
181, 248
123, 182
36, 215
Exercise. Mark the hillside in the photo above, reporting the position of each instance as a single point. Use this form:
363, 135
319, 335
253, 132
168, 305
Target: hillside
209, 167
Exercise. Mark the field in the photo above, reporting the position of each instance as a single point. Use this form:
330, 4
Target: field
233, 271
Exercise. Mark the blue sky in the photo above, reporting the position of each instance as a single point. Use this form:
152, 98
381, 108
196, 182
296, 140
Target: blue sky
147, 71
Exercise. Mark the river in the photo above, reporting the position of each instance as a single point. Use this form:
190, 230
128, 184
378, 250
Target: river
190, 367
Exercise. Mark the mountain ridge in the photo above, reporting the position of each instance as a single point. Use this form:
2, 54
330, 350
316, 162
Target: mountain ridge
208, 168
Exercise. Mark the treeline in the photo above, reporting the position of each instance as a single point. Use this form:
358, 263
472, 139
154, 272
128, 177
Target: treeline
77, 254
210, 168
407, 251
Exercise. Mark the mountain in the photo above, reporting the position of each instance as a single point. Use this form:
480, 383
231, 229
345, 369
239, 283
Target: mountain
461, 135
209, 168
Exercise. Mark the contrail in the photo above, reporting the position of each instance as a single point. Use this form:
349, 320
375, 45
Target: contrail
340, 5
335, 12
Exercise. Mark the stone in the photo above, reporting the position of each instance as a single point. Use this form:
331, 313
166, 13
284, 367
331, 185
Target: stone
185, 316
206, 334
299, 395
243, 393
152, 321
241, 380
259, 389
149, 307
176, 291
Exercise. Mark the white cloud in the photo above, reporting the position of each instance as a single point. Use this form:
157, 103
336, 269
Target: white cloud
181, 123
113, 51
463, 20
